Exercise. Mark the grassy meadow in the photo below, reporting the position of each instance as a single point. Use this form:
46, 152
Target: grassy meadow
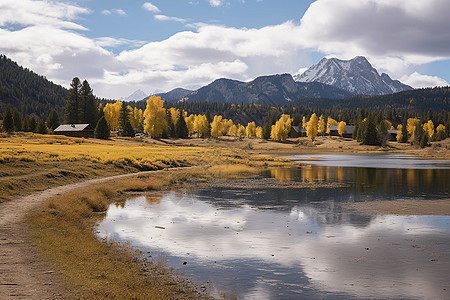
63, 228
32, 162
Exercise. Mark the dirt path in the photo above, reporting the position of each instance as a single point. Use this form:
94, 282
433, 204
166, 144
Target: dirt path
23, 275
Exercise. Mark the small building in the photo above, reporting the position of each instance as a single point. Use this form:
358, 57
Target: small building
297, 131
75, 130
392, 134
347, 134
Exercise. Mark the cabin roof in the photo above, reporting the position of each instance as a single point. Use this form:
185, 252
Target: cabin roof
72, 127
298, 129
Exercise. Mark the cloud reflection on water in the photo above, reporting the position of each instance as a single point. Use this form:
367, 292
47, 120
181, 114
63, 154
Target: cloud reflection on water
388, 256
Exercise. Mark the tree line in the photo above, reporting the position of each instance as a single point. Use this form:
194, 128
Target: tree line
161, 119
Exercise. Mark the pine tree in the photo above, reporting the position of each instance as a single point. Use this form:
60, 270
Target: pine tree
181, 128
369, 135
404, 138
128, 130
41, 127
25, 122
53, 120
72, 109
32, 124
124, 116
382, 132
17, 118
171, 130
88, 105
8, 121
420, 137
102, 129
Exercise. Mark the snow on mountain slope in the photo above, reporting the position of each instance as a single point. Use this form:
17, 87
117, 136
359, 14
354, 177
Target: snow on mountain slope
356, 76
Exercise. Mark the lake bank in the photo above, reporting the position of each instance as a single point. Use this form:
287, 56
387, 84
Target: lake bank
199, 152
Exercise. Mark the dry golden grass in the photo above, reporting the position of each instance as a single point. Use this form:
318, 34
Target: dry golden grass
33, 162
63, 230
98, 269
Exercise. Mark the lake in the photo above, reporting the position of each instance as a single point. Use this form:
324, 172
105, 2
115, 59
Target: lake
299, 243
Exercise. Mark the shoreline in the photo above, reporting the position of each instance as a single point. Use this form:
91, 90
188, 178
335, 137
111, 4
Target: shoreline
402, 207
246, 156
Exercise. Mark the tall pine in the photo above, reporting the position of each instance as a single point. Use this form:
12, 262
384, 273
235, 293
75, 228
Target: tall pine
53, 120
369, 135
72, 110
8, 121
181, 128
88, 105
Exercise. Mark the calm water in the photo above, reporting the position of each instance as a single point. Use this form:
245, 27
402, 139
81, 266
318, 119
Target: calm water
298, 243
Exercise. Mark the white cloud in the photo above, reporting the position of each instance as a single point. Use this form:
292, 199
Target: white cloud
421, 81
150, 7
50, 43
407, 32
216, 3
27, 12
166, 18
118, 11
114, 42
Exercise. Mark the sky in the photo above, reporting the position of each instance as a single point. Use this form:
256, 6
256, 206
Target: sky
120, 46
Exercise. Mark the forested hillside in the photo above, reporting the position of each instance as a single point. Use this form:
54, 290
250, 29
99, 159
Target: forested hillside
27, 91
417, 100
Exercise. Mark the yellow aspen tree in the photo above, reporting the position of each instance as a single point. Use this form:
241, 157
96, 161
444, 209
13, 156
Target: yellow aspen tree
440, 128
341, 128
155, 117
250, 130
331, 122
411, 124
440, 133
312, 127
240, 131
281, 129
304, 122
227, 124
190, 124
399, 136
232, 131
429, 128
136, 117
259, 132
174, 114
217, 127
112, 112
201, 125
321, 126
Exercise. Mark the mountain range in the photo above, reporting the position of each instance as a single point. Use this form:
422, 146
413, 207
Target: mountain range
274, 90
330, 78
356, 76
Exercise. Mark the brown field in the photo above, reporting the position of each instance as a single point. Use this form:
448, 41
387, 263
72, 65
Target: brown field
69, 262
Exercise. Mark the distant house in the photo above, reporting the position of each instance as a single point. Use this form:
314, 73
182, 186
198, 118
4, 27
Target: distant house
297, 131
392, 134
75, 130
348, 131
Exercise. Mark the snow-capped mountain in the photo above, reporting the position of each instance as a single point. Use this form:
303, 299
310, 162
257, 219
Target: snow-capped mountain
136, 96
356, 76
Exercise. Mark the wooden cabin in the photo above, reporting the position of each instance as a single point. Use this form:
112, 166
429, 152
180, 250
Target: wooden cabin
347, 134
75, 130
393, 134
297, 131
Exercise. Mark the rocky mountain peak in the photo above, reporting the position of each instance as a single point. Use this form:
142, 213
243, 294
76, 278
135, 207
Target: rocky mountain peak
356, 76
